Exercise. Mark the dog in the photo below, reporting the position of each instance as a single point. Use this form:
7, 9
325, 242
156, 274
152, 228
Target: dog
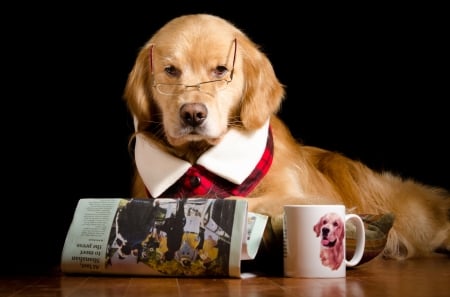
204, 100
331, 230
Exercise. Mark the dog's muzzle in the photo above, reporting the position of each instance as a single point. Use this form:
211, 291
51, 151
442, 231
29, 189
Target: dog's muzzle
325, 241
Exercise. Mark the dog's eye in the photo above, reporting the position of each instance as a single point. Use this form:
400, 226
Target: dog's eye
335, 224
172, 71
220, 71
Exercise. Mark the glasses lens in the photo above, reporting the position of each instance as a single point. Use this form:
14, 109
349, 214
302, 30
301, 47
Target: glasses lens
170, 89
211, 86
206, 87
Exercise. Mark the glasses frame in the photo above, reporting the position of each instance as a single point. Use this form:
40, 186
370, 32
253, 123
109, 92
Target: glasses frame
198, 85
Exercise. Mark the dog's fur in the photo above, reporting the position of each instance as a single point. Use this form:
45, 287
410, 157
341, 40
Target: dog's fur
330, 229
196, 48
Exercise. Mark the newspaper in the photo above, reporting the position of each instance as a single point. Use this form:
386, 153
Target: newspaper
191, 237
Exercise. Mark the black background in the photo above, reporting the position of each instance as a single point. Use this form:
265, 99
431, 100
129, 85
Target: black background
370, 82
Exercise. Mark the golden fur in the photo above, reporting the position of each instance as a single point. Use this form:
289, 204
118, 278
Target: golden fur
330, 228
197, 48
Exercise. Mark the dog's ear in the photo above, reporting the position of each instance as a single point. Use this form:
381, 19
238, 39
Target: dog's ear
341, 231
263, 92
317, 227
138, 93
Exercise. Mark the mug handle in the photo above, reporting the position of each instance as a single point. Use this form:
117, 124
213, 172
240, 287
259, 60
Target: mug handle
360, 240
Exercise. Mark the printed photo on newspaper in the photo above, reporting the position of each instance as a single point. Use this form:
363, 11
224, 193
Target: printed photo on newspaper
192, 237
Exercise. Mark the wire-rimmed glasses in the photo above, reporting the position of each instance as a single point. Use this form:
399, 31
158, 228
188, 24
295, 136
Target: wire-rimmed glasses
205, 86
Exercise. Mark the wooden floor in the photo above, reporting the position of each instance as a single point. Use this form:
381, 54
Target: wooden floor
420, 277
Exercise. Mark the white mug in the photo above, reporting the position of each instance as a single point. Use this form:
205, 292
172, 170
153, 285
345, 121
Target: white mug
314, 241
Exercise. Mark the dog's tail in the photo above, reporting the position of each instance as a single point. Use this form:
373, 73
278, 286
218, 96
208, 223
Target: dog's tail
421, 233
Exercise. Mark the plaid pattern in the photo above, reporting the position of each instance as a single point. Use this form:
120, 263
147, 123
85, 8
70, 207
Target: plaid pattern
199, 182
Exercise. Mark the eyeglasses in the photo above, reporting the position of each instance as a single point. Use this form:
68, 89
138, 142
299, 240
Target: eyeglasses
205, 87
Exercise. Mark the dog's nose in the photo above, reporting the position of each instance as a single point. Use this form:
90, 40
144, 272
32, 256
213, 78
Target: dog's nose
325, 231
193, 114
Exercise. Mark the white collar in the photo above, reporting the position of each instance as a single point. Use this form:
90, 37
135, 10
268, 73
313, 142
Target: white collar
234, 158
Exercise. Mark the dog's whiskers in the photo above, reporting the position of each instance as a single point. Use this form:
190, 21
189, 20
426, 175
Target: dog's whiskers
155, 128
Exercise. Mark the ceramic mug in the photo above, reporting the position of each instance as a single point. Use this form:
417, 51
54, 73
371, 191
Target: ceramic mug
314, 241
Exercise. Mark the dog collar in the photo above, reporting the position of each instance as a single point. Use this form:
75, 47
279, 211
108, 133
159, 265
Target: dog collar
240, 156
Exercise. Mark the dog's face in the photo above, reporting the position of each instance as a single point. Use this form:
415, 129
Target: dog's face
194, 86
330, 228
198, 76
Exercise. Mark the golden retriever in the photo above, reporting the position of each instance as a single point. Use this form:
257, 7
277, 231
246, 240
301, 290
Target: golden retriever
204, 99
330, 229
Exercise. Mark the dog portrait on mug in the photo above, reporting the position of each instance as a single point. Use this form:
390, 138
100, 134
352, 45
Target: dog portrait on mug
331, 230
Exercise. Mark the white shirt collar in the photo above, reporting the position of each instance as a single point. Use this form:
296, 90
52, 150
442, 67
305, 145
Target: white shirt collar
234, 158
